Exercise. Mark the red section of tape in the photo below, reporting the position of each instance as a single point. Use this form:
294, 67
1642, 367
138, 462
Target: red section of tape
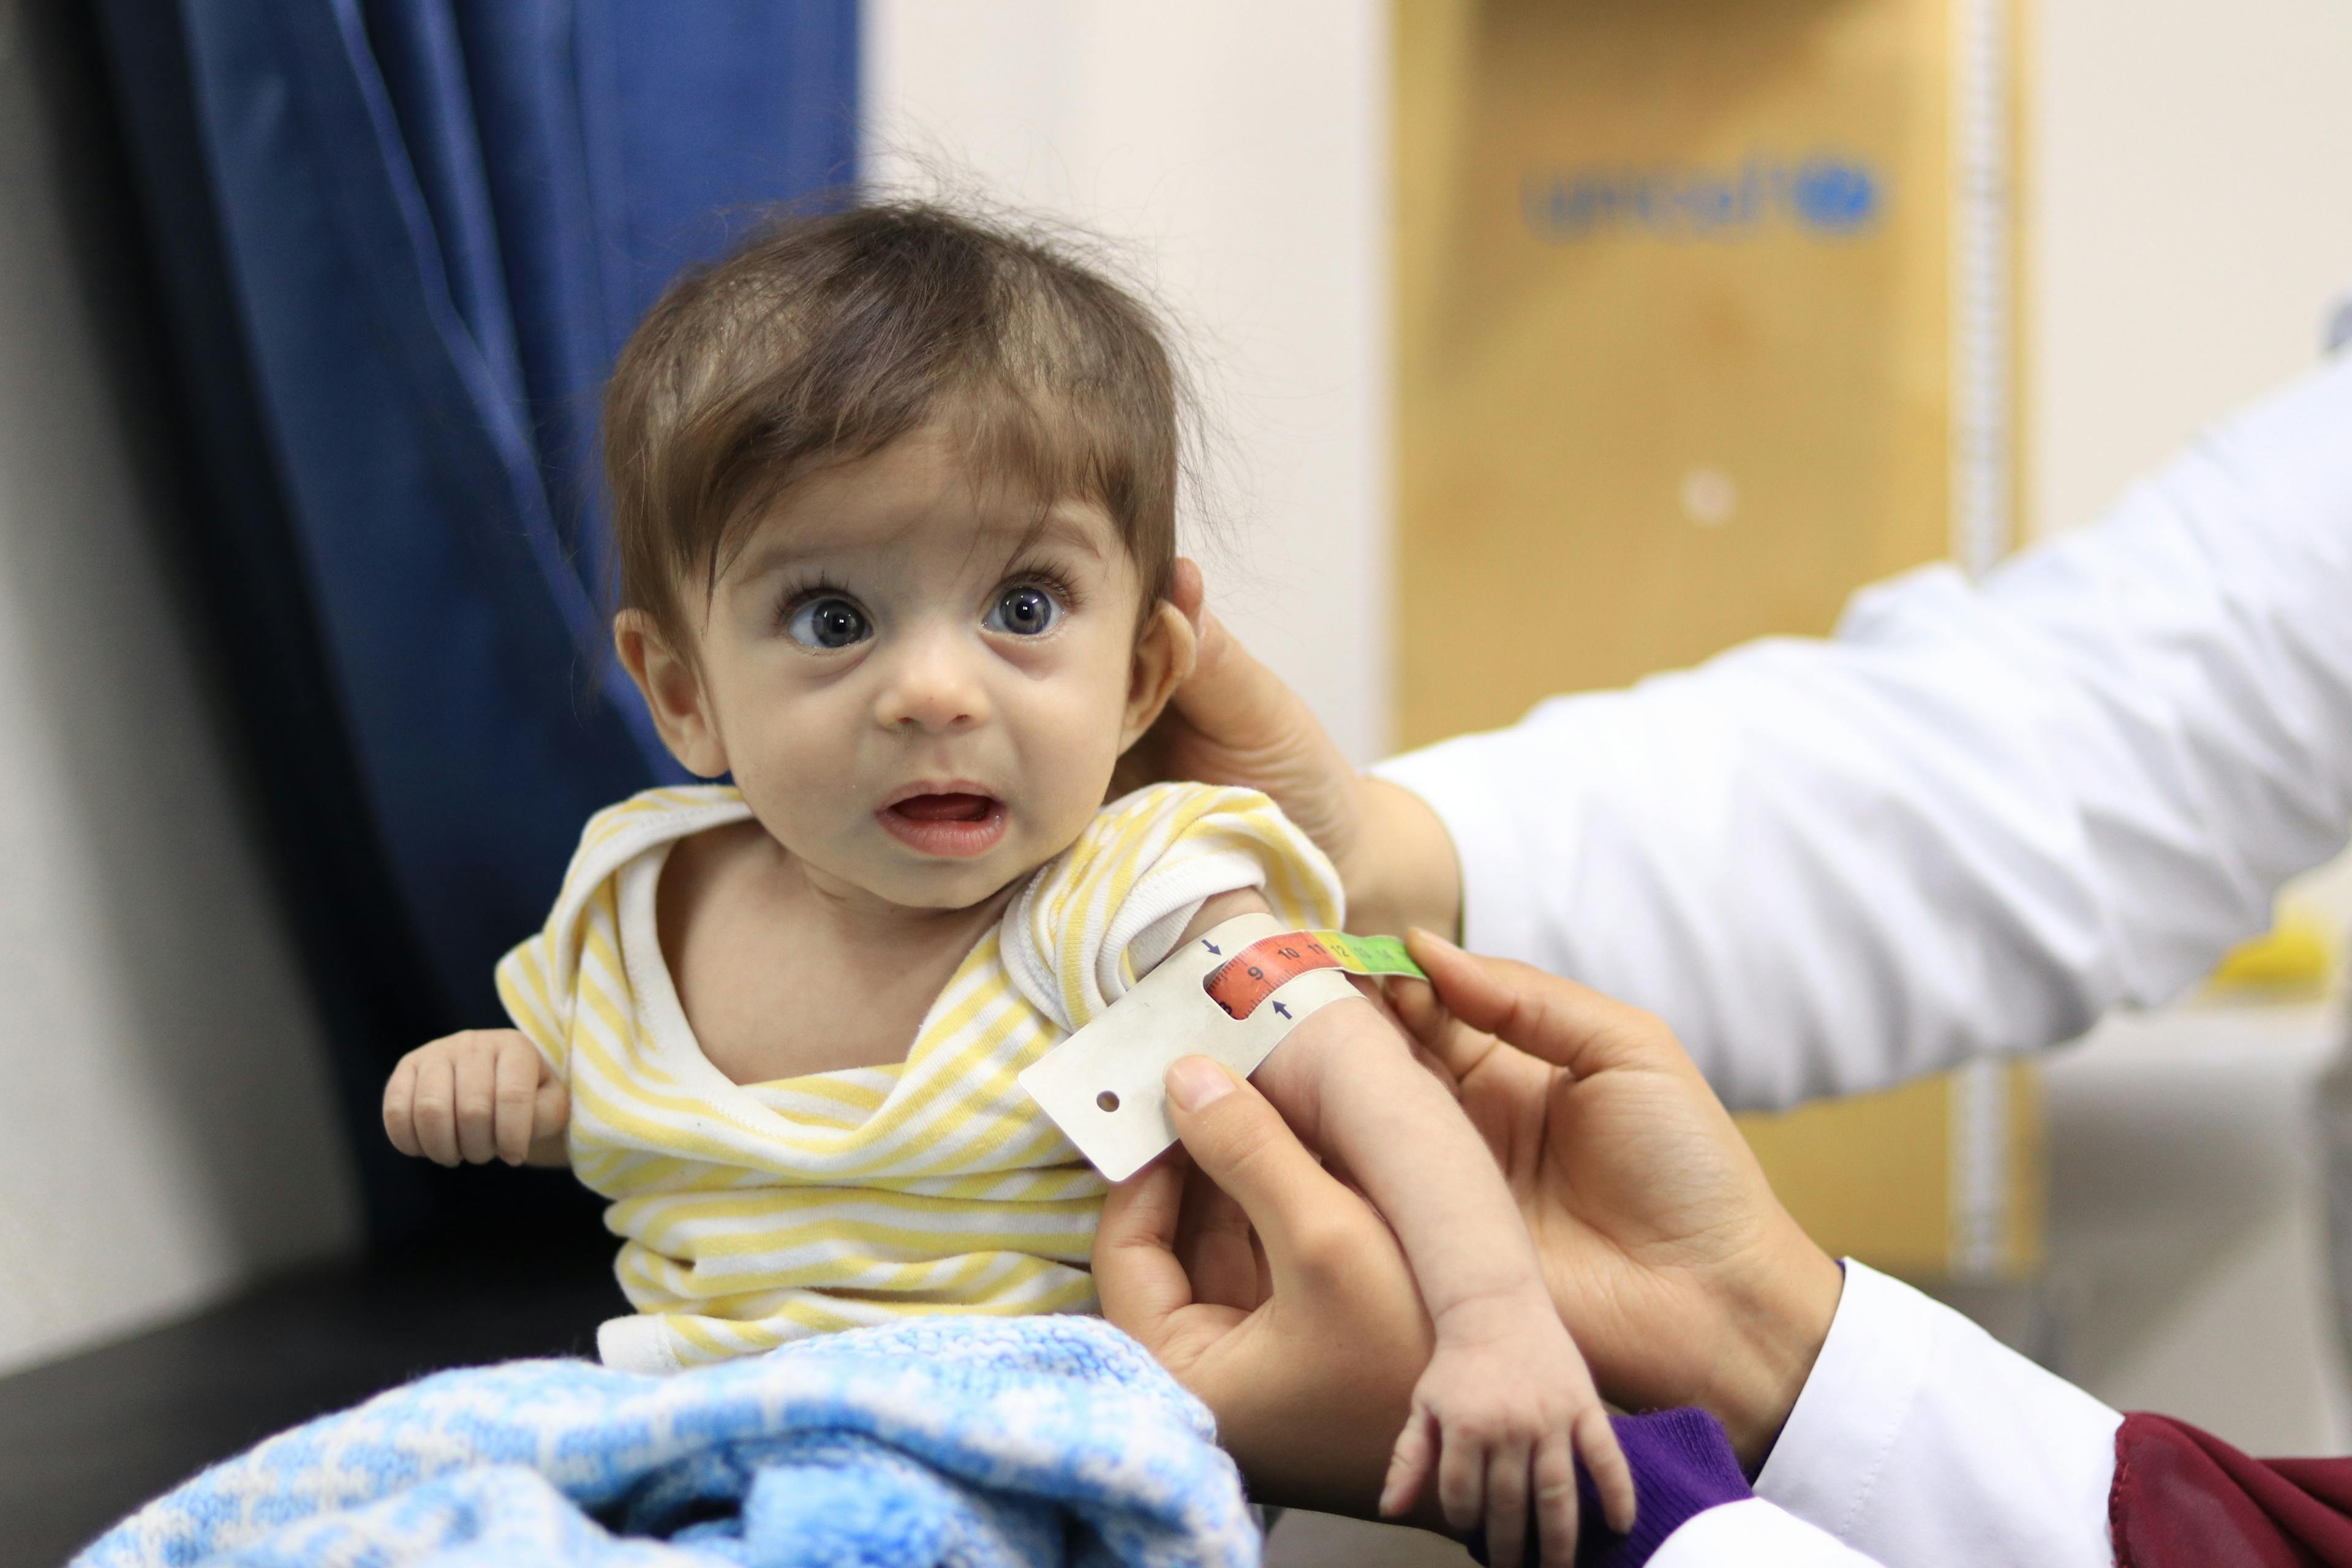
1255, 972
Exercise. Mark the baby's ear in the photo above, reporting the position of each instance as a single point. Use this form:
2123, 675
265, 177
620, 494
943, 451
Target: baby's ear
1164, 650
672, 688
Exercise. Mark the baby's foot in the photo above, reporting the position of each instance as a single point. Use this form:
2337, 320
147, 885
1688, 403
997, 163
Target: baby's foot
1501, 1415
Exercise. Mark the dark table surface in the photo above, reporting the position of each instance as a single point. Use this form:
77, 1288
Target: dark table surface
85, 1440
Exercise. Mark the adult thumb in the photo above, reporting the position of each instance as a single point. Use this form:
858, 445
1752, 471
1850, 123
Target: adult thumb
1242, 1143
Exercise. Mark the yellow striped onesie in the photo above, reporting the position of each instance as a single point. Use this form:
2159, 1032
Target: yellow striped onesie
755, 1214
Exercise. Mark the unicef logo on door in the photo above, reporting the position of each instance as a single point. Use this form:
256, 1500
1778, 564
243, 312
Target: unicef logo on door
1824, 195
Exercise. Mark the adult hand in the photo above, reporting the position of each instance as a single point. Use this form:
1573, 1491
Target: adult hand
1682, 1278
1307, 1352
1234, 722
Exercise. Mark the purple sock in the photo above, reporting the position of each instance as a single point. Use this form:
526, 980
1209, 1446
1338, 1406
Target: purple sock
1683, 1465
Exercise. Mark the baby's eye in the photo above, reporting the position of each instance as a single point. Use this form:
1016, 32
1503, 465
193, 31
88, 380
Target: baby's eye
828, 623
1025, 611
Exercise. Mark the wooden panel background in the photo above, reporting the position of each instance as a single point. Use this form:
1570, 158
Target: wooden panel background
1674, 370
1562, 397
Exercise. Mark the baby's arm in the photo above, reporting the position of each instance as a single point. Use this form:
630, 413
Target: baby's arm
1506, 1405
474, 1097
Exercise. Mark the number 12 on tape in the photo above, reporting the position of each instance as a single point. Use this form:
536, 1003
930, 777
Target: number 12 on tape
1230, 995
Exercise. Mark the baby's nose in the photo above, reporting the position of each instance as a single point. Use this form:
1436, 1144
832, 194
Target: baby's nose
932, 687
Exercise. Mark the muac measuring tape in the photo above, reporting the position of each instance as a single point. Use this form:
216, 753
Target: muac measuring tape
1231, 995
1269, 963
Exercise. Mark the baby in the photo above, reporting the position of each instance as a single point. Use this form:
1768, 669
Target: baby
894, 508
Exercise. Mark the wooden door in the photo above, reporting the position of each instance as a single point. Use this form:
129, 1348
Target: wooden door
1703, 322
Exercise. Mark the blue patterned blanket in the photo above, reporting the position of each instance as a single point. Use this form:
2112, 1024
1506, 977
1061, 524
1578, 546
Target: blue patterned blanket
970, 1441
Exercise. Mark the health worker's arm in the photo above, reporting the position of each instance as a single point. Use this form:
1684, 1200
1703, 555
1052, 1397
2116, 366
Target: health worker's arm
1975, 820
1876, 1416
1308, 1365
1919, 1439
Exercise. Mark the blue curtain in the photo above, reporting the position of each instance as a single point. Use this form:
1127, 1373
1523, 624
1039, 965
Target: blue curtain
399, 243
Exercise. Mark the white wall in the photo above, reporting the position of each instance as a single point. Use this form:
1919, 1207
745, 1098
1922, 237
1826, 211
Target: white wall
1242, 149
164, 1128
2192, 217
2191, 193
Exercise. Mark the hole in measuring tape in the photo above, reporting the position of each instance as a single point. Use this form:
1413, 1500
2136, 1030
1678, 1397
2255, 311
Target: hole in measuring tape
1107, 1100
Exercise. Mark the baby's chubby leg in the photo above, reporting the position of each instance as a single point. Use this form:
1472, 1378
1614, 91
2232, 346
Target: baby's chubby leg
1506, 1406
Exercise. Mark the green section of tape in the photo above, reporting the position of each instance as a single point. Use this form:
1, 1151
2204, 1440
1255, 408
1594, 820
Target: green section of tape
1369, 955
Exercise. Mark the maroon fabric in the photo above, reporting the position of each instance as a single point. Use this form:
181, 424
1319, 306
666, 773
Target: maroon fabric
2184, 1498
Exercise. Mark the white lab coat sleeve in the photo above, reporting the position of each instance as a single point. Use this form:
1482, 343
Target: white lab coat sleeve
1753, 1533
1974, 820
1922, 1442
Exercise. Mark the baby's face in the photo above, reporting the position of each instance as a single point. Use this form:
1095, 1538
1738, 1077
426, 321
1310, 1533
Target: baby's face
920, 685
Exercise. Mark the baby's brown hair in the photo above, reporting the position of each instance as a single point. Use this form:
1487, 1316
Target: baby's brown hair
824, 339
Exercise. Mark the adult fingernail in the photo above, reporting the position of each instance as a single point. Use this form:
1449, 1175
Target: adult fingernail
1196, 1081
1423, 933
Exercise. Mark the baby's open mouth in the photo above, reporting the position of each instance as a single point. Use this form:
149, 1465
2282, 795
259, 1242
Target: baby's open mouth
956, 807
952, 822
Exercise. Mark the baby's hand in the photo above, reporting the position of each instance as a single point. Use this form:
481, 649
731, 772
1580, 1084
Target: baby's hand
482, 1095
1502, 1411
